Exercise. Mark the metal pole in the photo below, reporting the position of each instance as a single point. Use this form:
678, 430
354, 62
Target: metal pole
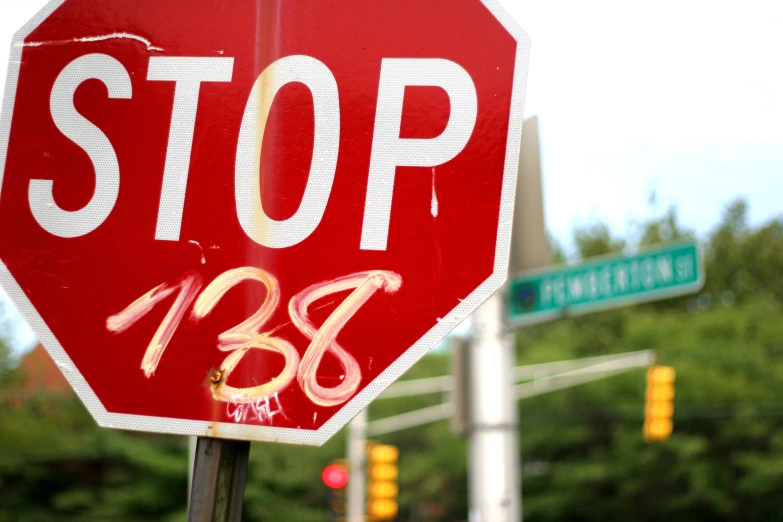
411, 419
460, 420
493, 449
357, 461
192, 441
219, 477
495, 481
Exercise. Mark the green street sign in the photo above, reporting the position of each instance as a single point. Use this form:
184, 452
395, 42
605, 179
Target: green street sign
607, 282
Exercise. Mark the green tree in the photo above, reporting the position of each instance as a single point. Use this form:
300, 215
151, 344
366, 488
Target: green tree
724, 460
662, 229
584, 457
720, 463
597, 240
742, 262
6, 355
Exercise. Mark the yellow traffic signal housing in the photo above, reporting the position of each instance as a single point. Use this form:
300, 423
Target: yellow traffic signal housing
382, 489
659, 403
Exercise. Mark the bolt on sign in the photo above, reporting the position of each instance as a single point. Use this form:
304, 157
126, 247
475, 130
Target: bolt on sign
246, 219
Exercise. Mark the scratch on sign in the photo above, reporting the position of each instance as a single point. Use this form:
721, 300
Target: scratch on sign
100, 38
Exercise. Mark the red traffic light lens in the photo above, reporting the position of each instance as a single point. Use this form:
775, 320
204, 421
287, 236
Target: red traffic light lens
335, 476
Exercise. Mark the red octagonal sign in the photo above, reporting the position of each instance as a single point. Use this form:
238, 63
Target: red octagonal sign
246, 219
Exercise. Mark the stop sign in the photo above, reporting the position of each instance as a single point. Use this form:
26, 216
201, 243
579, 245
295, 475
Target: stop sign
246, 219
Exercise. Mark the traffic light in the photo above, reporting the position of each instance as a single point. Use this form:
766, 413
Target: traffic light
659, 403
382, 486
335, 477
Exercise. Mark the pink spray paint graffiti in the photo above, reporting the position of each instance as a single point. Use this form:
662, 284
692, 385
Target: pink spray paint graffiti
323, 339
245, 336
188, 288
254, 402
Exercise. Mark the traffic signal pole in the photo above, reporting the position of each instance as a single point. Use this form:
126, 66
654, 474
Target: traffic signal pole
192, 442
357, 469
494, 482
493, 452
541, 378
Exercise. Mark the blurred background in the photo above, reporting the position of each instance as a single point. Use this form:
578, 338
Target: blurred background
657, 122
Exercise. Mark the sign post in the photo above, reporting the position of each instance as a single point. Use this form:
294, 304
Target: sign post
607, 282
357, 471
219, 477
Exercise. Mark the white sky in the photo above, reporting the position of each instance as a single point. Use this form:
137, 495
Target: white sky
681, 96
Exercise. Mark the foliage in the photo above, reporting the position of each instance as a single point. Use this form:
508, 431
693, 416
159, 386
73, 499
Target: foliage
596, 240
742, 262
582, 450
727, 424
6, 361
55, 464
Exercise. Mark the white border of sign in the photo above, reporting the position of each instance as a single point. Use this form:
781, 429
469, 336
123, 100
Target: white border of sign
369, 393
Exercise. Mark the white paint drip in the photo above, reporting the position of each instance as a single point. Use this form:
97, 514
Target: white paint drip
203, 259
100, 38
434, 204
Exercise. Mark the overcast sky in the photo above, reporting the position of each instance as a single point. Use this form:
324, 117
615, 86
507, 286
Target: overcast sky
683, 97
678, 96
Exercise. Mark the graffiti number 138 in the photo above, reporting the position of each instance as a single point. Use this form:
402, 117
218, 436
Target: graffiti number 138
247, 335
